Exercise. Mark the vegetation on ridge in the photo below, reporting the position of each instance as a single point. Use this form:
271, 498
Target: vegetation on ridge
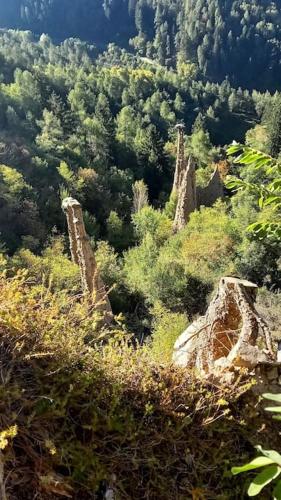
74, 415
86, 407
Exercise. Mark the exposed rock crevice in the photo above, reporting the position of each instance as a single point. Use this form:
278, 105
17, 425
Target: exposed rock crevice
230, 335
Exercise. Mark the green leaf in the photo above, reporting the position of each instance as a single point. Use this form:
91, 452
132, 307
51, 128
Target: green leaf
261, 162
272, 454
277, 491
254, 464
274, 409
261, 202
272, 397
276, 184
234, 148
262, 479
258, 227
272, 199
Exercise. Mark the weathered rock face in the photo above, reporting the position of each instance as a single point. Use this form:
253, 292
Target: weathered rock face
181, 162
226, 337
212, 192
190, 197
187, 202
83, 255
184, 184
185, 349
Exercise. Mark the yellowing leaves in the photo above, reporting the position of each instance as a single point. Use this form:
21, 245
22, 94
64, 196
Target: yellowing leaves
7, 434
50, 447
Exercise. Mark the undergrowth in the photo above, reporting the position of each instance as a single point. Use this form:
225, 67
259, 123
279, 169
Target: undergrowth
81, 408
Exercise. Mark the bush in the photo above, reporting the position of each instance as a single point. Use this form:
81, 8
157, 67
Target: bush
75, 417
167, 327
149, 221
269, 307
181, 271
208, 243
53, 266
256, 260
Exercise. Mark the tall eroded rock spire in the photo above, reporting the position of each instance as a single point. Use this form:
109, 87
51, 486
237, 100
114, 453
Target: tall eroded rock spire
180, 164
184, 186
83, 255
187, 201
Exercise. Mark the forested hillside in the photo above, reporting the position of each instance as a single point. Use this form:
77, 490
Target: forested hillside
77, 123
238, 39
126, 221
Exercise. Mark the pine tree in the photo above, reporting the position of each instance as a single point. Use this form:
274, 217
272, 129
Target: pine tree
273, 121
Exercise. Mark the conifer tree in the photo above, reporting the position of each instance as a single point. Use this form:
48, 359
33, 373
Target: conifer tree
273, 120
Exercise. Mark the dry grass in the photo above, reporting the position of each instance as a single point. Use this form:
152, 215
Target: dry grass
79, 416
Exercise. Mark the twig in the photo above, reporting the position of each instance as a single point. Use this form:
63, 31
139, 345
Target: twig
3, 495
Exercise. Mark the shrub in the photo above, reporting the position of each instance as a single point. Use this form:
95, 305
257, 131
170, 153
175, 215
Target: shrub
152, 222
75, 417
208, 244
269, 306
180, 271
53, 266
167, 327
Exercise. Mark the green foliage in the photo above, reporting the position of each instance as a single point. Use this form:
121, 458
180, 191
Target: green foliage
87, 403
176, 269
274, 409
114, 229
75, 122
268, 193
270, 460
171, 206
108, 263
53, 267
51, 138
119, 234
257, 138
149, 221
208, 243
166, 328
272, 119
239, 39
94, 125
19, 211
140, 199
201, 147
203, 175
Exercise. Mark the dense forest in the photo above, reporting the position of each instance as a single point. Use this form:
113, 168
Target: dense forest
238, 39
93, 99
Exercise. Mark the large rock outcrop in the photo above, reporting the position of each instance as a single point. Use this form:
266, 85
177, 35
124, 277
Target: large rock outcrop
227, 336
189, 196
208, 195
187, 202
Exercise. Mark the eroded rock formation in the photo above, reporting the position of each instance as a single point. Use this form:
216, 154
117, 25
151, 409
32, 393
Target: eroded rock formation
208, 195
230, 335
83, 255
184, 186
181, 161
189, 196
187, 202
